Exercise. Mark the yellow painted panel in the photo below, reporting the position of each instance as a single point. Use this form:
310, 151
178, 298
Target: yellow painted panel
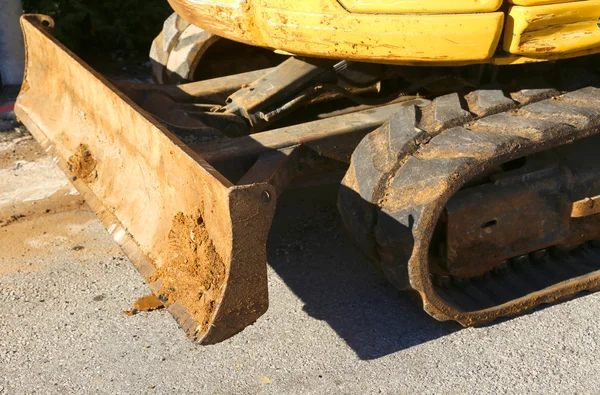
552, 29
431, 38
324, 28
425, 6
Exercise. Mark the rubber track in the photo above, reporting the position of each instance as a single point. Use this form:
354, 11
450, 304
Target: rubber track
402, 175
176, 51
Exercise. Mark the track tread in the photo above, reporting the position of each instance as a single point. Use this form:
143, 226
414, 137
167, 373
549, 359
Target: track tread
184, 57
163, 44
489, 101
572, 114
177, 49
402, 196
444, 112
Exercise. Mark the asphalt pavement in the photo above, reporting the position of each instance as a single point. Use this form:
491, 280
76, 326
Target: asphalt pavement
334, 325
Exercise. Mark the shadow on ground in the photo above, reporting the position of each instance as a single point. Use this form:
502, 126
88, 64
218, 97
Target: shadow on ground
310, 250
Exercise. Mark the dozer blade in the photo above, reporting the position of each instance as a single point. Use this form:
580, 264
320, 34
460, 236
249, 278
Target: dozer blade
198, 240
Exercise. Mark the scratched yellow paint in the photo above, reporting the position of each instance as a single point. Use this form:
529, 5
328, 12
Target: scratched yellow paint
553, 29
427, 6
324, 28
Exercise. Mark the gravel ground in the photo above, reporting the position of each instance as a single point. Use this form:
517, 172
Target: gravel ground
334, 325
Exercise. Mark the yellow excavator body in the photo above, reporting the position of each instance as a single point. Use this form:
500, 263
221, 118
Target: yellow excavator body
406, 32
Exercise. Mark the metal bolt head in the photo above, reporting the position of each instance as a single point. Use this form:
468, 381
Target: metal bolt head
265, 196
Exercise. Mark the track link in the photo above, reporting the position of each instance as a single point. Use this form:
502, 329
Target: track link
519, 277
403, 174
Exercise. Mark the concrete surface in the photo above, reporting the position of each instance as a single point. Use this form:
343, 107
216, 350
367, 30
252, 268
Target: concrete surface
334, 326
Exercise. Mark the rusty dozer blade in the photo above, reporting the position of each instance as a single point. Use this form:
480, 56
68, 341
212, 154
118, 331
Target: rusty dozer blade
197, 239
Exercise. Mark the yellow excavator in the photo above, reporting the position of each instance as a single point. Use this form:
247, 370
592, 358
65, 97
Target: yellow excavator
468, 132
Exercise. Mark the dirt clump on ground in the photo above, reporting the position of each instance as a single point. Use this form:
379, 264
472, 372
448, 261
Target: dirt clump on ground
192, 272
145, 303
83, 164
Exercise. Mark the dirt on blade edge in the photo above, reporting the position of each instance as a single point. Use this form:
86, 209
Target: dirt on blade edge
192, 272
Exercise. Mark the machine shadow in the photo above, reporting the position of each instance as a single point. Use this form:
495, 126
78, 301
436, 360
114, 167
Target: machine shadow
310, 250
